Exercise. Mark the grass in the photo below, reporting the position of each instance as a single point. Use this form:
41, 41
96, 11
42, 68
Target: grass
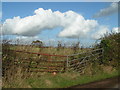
60, 80
93, 72
66, 80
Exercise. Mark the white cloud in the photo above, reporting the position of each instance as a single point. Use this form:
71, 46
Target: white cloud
100, 33
79, 28
31, 25
116, 30
73, 24
25, 39
113, 8
104, 30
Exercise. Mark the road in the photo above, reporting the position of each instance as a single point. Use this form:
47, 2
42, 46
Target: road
107, 83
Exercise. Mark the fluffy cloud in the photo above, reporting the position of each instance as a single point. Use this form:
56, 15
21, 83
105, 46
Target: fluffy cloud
73, 24
116, 30
113, 8
102, 30
31, 25
79, 28
24, 39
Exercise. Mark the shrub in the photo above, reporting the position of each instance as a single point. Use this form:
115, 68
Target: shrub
110, 45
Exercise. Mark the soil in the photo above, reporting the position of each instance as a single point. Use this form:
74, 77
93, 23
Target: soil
107, 83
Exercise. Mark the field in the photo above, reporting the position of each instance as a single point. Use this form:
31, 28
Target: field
30, 66
49, 50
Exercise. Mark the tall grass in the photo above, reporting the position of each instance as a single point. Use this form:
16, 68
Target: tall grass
48, 80
15, 77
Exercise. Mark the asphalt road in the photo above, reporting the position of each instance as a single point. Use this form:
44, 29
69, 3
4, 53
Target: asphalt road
107, 83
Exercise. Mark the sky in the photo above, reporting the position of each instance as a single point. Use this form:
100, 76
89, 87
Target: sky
60, 0
64, 21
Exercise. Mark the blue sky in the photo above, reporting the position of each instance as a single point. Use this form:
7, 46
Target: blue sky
86, 9
60, 0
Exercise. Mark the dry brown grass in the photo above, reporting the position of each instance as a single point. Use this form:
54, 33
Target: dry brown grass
50, 50
107, 69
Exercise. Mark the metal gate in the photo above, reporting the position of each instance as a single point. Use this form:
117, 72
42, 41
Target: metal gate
77, 62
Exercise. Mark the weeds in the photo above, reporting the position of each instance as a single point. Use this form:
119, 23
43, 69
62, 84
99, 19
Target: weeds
18, 77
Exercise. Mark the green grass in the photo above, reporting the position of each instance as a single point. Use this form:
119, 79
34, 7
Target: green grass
60, 80
65, 80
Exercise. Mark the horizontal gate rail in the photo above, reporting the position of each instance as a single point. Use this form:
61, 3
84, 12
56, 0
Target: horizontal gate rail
85, 52
76, 62
80, 62
38, 53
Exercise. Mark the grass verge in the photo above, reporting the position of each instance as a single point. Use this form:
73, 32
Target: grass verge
60, 80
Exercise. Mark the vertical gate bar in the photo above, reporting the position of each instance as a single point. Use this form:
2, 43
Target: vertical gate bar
103, 52
49, 60
67, 63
